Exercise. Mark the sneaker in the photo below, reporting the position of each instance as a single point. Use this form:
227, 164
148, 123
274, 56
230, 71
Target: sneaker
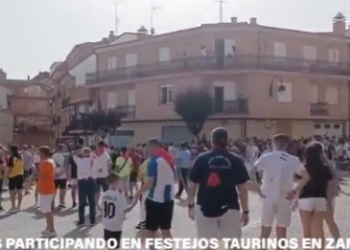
49, 234
74, 205
80, 224
2, 209
62, 206
12, 211
93, 223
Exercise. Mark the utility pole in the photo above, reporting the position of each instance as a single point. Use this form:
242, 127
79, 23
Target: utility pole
221, 11
117, 19
153, 10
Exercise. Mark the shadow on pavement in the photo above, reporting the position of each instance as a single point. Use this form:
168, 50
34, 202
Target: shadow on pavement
65, 212
35, 211
80, 232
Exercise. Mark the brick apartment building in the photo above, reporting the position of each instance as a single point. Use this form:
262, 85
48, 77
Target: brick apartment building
263, 79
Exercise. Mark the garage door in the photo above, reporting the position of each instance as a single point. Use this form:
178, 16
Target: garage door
176, 134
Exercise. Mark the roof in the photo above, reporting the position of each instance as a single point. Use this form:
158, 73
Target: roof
233, 25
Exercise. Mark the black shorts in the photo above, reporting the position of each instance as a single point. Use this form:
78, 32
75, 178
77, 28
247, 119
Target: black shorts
133, 176
61, 184
16, 182
113, 235
159, 215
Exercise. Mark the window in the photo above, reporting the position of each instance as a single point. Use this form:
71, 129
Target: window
287, 94
112, 62
279, 50
229, 47
131, 60
317, 126
164, 55
326, 126
166, 94
313, 93
310, 53
131, 97
111, 100
336, 126
333, 55
332, 95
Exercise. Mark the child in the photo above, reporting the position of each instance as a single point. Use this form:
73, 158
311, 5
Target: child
114, 207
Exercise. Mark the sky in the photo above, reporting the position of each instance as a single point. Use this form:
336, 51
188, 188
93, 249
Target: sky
36, 33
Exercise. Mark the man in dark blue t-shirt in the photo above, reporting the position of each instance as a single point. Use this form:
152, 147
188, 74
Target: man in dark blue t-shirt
217, 175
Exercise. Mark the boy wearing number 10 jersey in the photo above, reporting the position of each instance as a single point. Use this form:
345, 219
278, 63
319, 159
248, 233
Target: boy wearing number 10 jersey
114, 207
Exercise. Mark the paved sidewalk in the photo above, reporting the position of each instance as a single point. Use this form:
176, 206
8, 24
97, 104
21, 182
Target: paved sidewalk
29, 222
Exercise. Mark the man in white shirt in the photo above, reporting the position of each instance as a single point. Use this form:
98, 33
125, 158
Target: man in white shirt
61, 173
252, 154
86, 186
102, 165
277, 190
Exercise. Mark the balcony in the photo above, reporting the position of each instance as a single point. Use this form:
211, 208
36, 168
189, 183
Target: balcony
65, 103
319, 109
128, 110
203, 63
232, 107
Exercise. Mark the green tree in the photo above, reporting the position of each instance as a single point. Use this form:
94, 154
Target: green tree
194, 106
102, 122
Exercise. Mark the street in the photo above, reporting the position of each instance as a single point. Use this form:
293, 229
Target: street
29, 222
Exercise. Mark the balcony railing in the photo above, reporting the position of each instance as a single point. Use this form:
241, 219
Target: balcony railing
128, 110
65, 103
232, 107
319, 109
237, 62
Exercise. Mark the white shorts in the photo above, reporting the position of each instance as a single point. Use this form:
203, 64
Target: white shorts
45, 201
281, 210
312, 204
73, 182
226, 226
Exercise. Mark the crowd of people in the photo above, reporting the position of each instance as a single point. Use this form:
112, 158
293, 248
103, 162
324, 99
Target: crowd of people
213, 173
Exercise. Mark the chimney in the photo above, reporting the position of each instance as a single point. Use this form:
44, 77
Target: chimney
111, 35
339, 24
3, 75
142, 30
234, 19
253, 21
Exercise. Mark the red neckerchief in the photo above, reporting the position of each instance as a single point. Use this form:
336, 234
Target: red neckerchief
165, 155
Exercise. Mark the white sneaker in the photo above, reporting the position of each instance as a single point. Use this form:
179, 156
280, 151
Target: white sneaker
12, 211
49, 234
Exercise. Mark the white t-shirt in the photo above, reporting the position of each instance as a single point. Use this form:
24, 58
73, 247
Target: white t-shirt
36, 158
279, 169
114, 205
101, 162
60, 161
252, 154
84, 170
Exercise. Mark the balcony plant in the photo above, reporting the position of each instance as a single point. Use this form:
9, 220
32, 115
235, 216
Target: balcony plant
194, 106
